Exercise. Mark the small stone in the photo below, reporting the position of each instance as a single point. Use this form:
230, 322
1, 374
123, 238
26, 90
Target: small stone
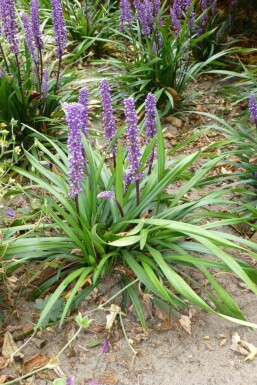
176, 122
39, 343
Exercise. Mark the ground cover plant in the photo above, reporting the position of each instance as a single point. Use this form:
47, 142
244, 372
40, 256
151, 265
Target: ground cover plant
160, 46
32, 78
106, 196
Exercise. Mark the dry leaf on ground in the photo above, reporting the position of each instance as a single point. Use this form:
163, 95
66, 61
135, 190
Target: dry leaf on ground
110, 318
185, 322
9, 348
109, 379
245, 348
35, 362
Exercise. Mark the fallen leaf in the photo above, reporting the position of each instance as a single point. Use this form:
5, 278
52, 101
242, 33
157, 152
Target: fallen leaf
9, 348
110, 357
236, 346
223, 342
2, 379
35, 362
252, 349
185, 322
109, 379
165, 325
174, 94
110, 318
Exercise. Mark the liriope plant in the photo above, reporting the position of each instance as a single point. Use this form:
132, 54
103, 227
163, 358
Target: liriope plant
111, 209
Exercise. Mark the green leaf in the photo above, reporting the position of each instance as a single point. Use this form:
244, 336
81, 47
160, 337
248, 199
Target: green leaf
55, 312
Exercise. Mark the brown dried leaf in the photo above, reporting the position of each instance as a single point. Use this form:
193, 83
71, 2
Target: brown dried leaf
185, 322
9, 347
36, 362
2, 379
253, 159
109, 379
169, 136
174, 94
110, 318
165, 325
236, 347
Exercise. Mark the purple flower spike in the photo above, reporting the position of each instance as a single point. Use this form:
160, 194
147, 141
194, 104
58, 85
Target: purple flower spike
125, 14
150, 123
70, 381
29, 35
59, 27
9, 25
75, 116
106, 195
134, 153
45, 89
253, 108
35, 22
83, 99
10, 213
108, 113
156, 7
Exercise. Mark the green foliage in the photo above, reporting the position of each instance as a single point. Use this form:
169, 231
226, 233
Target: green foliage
55, 312
156, 239
162, 62
24, 98
88, 25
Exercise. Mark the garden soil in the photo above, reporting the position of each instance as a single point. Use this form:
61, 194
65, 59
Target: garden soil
194, 348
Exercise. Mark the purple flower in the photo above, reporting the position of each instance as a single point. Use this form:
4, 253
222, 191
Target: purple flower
83, 99
144, 14
9, 25
150, 123
1, 74
10, 213
253, 108
179, 8
133, 141
29, 35
70, 381
75, 117
175, 19
35, 23
59, 27
45, 88
92, 382
106, 195
108, 113
105, 345
110, 195
204, 5
156, 7
125, 13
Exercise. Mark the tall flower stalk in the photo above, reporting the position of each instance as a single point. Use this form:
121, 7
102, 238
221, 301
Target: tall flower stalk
75, 118
253, 108
59, 34
133, 174
108, 116
150, 125
10, 30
